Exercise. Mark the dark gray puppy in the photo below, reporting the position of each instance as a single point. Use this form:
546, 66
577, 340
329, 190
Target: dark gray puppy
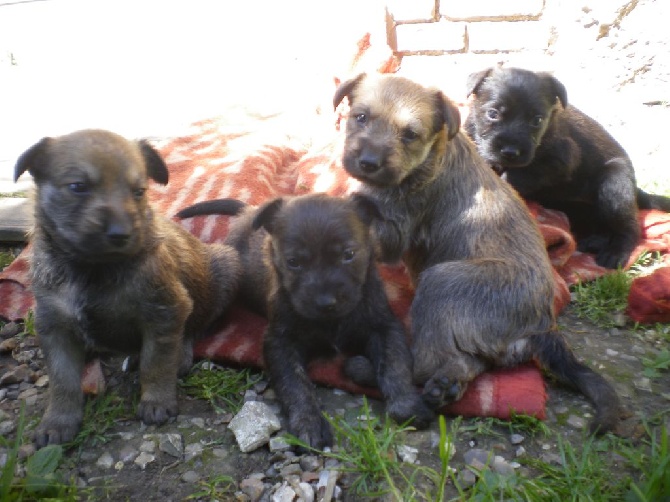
484, 286
309, 267
554, 154
108, 274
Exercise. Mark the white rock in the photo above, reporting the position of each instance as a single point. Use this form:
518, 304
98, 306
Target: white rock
254, 425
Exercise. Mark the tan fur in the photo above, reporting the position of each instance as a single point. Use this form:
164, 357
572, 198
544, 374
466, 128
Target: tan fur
110, 275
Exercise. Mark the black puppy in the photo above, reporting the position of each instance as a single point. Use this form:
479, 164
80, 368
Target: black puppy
554, 154
312, 259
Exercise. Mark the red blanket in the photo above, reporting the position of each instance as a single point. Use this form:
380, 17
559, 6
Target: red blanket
254, 158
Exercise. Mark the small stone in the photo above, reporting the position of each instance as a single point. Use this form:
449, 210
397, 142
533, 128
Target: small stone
576, 422
516, 439
305, 492
250, 395
476, 454
278, 443
220, 452
190, 477
118, 466
310, 463
466, 478
7, 427
407, 454
520, 451
619, 319
192, 450
290, 469
171, 444
18, 374
148, 447
10, 329
551, 458
253, 487
105, 461
8, 345
284, 494
643, 383
144, 459
42, 381
502, 467
128, 453
611, 352
26, 450
198, 422
253, 425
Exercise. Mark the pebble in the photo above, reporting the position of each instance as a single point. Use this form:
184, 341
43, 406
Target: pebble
278, 443
106, 461
144, 459
192, 450
148, 447
42, 381
643, 383
190, 477
476, 455
128, 453
7, 427
8, 345
10, 329
172, 444
253, 425
516, 439
310, 463
576, 422
253, 487
18, 374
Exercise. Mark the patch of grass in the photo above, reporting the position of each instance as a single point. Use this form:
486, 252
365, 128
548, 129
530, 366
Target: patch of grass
222, 387
101, 414
41, 480
6, 258
218, 488
654, 366
599, 299
655, 480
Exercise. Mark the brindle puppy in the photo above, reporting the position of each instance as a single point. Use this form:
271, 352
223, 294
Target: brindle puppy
309, 266
484, 285
552, 153
108, 274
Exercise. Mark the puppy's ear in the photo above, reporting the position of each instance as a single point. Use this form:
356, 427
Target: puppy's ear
366, 208
265, 216
476, 79
447, 114
156, 168
346, 88
556, 88
32, 159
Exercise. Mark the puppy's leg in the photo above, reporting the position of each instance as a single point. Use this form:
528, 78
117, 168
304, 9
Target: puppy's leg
392, 363
65, 357
163, 351
449, 382
617, 211
286, 366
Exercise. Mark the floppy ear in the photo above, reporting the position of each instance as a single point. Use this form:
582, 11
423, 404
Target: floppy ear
366, 208
156, 168
447, 113
346, 88
476, 79
265, 217
556, 87
32, 160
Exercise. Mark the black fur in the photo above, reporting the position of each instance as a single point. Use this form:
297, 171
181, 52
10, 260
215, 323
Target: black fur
554, 154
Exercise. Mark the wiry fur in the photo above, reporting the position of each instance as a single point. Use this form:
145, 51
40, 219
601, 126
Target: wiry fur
311, 258
552, 153
484, 285
110, 275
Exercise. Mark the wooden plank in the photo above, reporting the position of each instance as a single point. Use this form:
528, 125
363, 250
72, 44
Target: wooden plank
15, 219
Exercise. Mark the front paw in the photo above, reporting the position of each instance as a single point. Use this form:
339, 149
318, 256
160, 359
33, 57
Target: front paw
439, 391
410, 408
154, 412
57, 429
312, 429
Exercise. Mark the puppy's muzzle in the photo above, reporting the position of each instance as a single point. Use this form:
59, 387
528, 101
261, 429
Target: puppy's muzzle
370, 161
510, 152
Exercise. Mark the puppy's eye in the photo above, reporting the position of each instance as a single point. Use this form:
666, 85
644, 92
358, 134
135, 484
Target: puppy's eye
348, 256
293, 263
409, 135
79, 187
493, 115
362, 118
138, 193
536, 121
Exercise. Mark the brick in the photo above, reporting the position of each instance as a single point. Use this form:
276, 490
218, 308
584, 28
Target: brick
491, 9
443, 36
413, 10
507, 36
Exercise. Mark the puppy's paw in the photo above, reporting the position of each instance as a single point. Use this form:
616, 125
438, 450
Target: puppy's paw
612, 258
313, 430
410, 408
153, 412
57, 430
441, 390
360, 370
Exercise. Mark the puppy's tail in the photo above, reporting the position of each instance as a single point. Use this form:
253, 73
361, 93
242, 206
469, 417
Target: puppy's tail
230, 207
554, 355
652, 201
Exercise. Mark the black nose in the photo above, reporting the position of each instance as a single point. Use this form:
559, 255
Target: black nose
117, 235
326, 302
369, 162
510, 152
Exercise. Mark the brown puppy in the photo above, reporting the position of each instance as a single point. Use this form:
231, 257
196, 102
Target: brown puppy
309, 267
554, 154
108, 274
484, 285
